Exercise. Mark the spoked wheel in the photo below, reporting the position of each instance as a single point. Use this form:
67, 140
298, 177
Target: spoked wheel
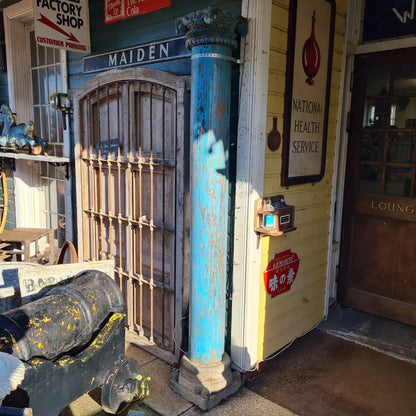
120, 386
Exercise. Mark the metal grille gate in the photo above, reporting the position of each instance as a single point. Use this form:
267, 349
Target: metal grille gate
129, 155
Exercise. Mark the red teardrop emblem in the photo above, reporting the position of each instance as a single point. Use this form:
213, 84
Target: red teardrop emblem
311, 55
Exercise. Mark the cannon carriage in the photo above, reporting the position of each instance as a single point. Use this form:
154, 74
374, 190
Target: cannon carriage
70, 341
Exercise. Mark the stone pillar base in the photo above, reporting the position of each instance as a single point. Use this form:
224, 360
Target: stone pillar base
205, 385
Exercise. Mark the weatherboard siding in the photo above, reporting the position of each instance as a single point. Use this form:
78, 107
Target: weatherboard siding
138, 30
289, 315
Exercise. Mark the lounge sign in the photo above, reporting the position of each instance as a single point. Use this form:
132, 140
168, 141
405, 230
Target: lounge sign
138, 55
115, 10
63, 24
308, 72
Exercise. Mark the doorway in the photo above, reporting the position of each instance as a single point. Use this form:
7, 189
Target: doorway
378, 245
129, 153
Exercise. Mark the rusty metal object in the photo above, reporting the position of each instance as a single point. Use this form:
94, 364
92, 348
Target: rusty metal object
66, 317
73, 254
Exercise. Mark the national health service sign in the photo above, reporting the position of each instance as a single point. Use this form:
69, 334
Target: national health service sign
116, 10
281, 273
63, 24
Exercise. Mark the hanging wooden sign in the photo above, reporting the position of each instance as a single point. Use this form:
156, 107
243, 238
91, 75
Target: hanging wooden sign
62, 24
115, 10
281, 273
310, 43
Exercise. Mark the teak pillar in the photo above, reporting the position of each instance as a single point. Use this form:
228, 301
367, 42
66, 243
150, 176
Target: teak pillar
205, 375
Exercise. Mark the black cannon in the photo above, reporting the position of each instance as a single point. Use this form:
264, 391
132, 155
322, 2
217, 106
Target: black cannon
71, 340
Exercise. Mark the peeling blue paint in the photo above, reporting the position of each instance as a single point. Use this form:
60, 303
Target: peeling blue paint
210, 120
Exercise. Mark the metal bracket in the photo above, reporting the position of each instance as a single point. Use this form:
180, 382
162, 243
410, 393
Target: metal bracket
215, 55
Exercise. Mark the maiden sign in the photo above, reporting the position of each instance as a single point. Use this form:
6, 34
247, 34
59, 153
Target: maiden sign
138, 55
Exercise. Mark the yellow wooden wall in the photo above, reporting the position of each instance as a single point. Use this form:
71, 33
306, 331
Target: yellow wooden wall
290, 314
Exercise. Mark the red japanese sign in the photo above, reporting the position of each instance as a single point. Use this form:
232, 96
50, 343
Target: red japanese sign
116, 10
281, 272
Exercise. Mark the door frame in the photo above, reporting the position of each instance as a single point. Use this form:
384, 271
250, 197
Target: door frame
251, 143
352, 47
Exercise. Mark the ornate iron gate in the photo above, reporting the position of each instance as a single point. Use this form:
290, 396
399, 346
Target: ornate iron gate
129, 133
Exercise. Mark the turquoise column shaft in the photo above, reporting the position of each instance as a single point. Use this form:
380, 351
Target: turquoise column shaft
210, 120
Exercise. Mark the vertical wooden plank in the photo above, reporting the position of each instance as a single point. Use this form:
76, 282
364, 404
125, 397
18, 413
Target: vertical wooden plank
140, 166
151, 217
163, 211
250, 180
129, 209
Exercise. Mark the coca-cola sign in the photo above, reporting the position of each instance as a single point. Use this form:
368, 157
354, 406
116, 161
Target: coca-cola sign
115, 10
308, 76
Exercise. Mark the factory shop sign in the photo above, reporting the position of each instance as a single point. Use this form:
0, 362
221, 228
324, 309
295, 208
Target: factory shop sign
138, 55
115, 10
62, 24
281, 273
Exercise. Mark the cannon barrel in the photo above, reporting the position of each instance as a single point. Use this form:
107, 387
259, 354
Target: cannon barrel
66, 317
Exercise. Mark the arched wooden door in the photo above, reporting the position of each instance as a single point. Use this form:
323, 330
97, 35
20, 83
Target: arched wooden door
129, 133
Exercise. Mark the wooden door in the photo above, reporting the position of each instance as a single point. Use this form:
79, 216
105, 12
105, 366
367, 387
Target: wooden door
129, 130
378, 253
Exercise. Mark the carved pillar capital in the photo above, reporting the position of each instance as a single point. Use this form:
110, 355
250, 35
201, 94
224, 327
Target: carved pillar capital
211, 26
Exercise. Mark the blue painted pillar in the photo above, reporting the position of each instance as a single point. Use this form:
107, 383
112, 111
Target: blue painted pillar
211, 36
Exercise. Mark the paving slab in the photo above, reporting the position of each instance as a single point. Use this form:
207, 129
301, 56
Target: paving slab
141, 356
162, 399
243, 403
90, 405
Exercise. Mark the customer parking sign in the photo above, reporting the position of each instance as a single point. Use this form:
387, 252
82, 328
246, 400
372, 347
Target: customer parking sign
63, 24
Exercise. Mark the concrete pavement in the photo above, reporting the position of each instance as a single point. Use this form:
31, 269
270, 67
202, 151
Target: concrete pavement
373, 368
162, 401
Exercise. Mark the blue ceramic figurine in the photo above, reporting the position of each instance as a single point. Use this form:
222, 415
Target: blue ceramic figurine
18, 136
